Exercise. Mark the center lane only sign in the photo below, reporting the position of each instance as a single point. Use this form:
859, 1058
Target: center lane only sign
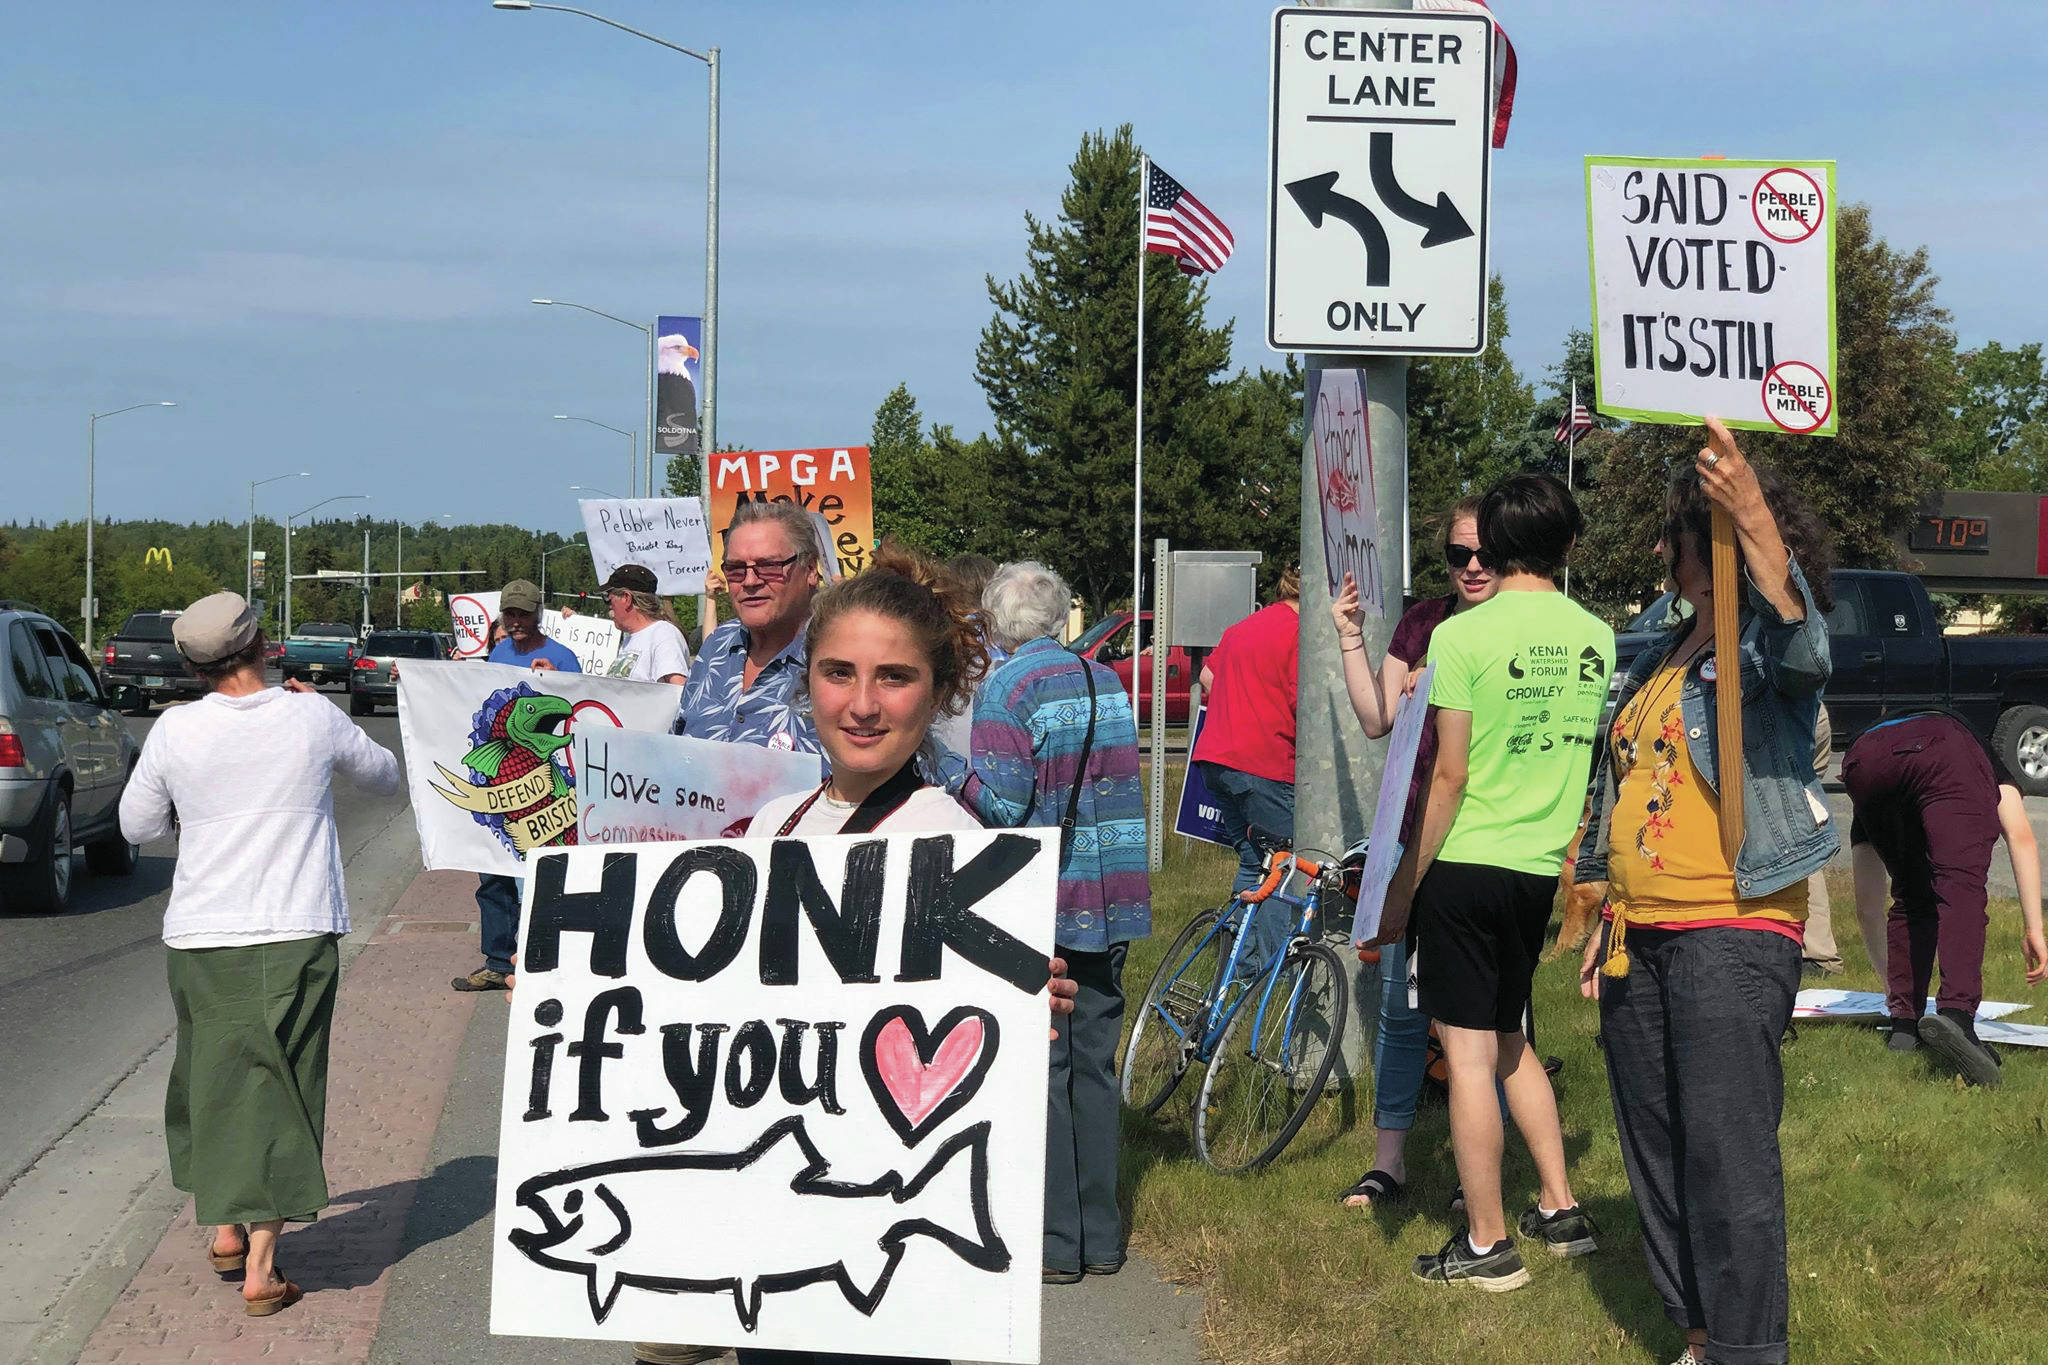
1377, 197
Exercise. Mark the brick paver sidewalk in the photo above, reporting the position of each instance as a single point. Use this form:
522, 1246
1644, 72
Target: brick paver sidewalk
397, 1028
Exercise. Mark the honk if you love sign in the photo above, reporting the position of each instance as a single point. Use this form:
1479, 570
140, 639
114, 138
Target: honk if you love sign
785, 1093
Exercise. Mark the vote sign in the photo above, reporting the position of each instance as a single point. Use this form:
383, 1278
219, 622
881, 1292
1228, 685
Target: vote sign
1714, 291
1376, 209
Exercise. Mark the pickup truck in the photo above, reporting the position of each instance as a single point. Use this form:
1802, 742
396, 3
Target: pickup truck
1108, 642
142, 655
319, 652
1890, 656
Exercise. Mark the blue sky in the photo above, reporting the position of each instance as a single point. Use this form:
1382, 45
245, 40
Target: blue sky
316, 226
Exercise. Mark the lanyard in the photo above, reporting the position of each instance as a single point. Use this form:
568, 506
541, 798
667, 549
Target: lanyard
879, 804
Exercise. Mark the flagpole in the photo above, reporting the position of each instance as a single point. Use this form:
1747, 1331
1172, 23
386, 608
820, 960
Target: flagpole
1571, 450
1138, 453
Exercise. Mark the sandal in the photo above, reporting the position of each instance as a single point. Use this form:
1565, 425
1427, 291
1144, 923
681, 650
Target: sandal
1374, 1187
264, 1305
230, 1261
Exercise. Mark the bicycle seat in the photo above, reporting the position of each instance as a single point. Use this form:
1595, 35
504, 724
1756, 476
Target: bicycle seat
1266, 842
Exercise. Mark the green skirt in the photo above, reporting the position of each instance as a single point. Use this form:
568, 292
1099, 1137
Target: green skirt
246, 1111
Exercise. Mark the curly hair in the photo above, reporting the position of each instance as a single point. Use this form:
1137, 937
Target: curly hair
910, 588
1688, 512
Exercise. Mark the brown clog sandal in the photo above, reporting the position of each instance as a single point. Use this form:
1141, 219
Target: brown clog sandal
267, 1304
230, 1261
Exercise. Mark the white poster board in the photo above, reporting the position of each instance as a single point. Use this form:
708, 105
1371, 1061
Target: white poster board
489, 754
667, 535
633, 786
787, 1094
1383, 850
593, 639
1345, 483
1714, 291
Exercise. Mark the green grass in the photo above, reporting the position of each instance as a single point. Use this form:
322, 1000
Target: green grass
1916, 1205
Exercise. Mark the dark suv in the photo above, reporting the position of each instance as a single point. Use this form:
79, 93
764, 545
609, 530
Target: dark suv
374, 676
143, 655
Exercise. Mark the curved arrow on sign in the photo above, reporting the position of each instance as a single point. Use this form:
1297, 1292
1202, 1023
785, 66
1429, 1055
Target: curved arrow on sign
1442, 221
1317, 196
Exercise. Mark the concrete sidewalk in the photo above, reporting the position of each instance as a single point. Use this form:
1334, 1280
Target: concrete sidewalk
397, 1270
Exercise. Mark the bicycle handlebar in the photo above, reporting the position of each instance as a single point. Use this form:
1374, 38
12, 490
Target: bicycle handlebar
1279, 864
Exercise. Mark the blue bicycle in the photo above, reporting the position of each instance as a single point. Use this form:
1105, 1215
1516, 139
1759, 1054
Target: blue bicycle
1269, 1039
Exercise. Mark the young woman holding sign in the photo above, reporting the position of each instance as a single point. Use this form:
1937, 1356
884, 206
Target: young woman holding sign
1698, 968
889, 653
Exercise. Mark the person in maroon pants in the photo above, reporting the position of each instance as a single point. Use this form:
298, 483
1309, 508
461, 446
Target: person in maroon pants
1930, 803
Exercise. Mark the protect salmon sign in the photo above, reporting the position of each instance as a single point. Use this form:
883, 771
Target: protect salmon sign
780, 1093
1714, 291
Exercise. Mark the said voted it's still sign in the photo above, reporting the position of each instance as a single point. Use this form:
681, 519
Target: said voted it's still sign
785, 1094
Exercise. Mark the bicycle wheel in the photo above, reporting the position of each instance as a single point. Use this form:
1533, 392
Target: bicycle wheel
1269, 1071
1175, 1012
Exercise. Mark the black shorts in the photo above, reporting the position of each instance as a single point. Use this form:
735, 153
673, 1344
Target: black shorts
1478, 933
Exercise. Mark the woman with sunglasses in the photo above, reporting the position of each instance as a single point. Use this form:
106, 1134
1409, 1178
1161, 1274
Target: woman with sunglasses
890, 652
1400, 1052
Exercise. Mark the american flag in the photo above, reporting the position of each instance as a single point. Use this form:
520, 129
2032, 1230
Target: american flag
1177, 225
1577, 421
1503, 64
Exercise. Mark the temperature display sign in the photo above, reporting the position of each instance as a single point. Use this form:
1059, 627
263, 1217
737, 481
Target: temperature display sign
1951, 535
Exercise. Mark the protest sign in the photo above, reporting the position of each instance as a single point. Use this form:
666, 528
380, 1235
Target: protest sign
1822, 1003
786, 1094
1198, 816
663, 534
1383, 847
1344, 483
636, 787
488, 754
593, 639
1714, 291
830, 481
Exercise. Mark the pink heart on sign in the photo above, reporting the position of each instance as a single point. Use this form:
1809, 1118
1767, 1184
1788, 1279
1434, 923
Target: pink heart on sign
920, 1076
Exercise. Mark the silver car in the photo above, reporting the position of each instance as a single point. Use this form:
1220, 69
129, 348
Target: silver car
65, 757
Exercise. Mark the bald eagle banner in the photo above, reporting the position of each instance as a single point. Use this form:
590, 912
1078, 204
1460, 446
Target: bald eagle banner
503, 763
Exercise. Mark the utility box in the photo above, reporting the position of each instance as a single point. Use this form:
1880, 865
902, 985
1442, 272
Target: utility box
1212, 591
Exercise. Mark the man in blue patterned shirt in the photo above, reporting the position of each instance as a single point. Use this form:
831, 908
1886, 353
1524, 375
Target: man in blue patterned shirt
749, 671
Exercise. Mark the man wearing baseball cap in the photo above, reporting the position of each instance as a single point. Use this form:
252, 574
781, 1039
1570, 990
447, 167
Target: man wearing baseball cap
651, 646
497, 897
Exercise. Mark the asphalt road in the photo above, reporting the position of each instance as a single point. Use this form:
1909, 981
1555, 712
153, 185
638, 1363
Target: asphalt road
85, 1013
82, 997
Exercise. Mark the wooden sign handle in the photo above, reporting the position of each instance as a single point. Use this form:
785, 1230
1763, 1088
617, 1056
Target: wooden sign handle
1728, 682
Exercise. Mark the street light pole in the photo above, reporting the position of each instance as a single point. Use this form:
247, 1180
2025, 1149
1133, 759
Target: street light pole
632, 442
249, 554
544, 556
653, 343
90, 608
285, 626
709, 441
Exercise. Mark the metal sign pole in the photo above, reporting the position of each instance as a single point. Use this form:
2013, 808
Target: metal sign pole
1162, 647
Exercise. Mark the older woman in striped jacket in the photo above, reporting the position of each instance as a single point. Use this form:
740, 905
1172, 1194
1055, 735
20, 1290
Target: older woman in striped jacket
1056, 745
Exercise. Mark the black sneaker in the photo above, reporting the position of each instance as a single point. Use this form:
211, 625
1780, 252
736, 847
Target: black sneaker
1956, 1044
1568, 1232
1904, 1036
1496, 1270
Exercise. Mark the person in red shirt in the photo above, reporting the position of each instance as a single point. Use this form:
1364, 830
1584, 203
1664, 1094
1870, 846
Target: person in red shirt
1246, 752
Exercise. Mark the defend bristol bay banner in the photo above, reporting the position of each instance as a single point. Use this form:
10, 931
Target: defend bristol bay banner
1714, 291
785, 1093
666, 535
831, 482
489, 763
679, 344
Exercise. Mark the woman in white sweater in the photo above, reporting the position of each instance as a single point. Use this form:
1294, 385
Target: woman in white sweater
245, 776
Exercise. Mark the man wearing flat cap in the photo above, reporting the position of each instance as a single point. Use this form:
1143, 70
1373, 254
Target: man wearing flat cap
497, 898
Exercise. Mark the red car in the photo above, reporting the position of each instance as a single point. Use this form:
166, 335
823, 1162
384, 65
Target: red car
1108, 641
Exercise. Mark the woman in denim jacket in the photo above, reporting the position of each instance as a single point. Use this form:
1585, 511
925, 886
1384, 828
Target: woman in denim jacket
1700, 962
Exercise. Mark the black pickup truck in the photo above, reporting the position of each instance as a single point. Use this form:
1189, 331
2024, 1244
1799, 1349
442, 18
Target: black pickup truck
142, 655
1890, 656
